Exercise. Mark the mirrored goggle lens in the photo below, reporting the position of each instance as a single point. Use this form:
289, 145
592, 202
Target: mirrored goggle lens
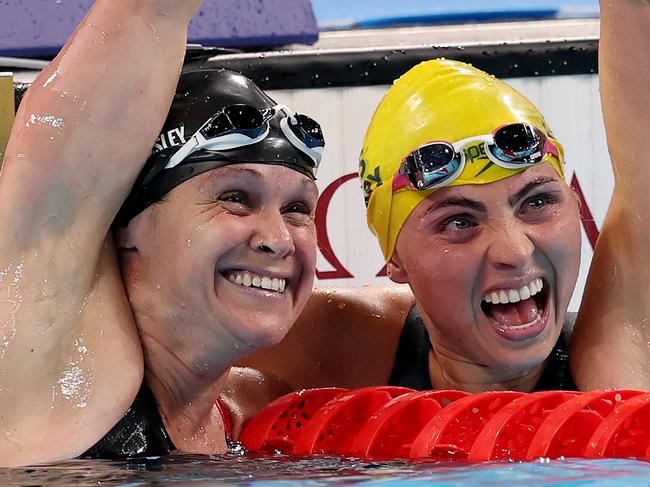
518, 143
307, 130
243, 118
431, 165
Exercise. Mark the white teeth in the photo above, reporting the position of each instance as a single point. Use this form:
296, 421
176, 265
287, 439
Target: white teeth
266, 283
513, 296
505, 296
253, 280
247, 280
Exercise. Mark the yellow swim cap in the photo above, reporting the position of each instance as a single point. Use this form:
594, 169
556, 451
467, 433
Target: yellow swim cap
437, 100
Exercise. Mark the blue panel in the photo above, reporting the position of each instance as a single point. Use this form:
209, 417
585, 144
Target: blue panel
41, 27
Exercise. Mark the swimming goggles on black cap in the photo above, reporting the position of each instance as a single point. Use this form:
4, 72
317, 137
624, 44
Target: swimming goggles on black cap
436, 164
240, 125
227, 137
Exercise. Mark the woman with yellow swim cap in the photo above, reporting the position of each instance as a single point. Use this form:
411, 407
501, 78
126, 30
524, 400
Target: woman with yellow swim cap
466, 195
464, 184
465, 189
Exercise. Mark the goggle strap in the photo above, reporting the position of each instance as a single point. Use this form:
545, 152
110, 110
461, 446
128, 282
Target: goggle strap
184, 151
551, 148
280, 107
401, 181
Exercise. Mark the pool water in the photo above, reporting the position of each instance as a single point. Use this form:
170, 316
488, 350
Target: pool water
280, 471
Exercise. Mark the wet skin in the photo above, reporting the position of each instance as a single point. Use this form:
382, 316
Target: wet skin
242, 218
465, 242
188, 263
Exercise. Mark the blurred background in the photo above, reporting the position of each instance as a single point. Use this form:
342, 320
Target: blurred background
352, 14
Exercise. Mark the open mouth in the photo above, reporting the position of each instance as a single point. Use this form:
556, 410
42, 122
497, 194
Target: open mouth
518, 313
251, 280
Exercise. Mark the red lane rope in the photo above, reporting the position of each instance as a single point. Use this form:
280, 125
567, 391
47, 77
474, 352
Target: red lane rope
395, 422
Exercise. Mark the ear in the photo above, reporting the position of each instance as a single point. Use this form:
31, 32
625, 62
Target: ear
135, 234
396, 271
125, 238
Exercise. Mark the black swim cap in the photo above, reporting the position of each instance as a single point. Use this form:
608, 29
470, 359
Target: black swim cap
199, 96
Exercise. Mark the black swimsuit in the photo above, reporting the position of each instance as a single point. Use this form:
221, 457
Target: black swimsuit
411, 367
139, 433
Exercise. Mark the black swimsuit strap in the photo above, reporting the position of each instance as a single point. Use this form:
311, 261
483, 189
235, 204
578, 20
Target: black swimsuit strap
411, 368
557, 374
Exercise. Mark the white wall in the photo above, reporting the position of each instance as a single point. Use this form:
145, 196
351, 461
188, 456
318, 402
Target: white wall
572, 109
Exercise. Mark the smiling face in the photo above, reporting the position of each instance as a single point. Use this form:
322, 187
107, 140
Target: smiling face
227, 258
493, 267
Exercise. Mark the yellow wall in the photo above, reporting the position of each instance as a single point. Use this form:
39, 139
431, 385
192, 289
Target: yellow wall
7, 110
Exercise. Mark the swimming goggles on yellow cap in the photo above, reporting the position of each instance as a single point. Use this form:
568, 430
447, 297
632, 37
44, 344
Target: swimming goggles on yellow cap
438, 163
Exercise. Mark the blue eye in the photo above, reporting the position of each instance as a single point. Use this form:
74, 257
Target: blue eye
457, 223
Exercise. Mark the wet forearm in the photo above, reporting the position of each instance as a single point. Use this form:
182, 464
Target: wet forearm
109, 90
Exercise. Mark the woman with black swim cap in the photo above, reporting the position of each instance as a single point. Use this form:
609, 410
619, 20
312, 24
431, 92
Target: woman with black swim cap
216, 241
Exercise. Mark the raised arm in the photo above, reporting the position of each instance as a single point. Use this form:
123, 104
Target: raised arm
611, 343
70, 357
88, 122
